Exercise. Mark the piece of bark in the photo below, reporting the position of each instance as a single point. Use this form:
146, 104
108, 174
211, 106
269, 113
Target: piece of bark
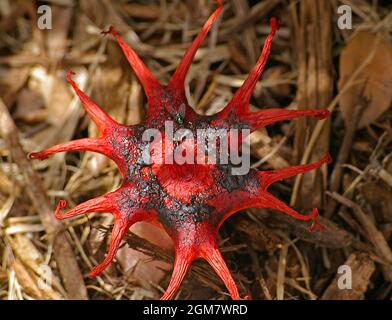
362, 268
375, 237
332, 237
379, 198
63, 253
259, 236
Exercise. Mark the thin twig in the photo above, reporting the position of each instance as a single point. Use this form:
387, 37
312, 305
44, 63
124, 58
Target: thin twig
63, 253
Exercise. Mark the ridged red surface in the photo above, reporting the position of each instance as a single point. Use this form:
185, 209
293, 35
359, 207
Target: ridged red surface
191, 201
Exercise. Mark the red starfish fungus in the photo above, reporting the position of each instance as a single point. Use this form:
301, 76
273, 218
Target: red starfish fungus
191, 201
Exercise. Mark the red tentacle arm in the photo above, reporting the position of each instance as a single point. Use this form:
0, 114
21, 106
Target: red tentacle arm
103, 121
103, 145
271, 202
255, 194
183, 259
109, 130
150, 84
120, 228
174, 100
178, 78
211, 253
197, 240
266, 117
239, 104
269, 177
100, 204
124, 217
86, 144
104, 203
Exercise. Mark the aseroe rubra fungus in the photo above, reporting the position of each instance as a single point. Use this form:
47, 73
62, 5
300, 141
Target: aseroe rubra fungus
190, 201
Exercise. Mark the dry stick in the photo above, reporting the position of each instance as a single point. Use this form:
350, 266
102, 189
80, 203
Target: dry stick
257, 270
239, 23
63, 253
375, 237
371, 167
344, 152
241, 9
281, 276
377, 171
160, 22
305, 273
320, 124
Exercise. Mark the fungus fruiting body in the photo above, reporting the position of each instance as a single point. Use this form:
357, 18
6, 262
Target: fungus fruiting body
189, 200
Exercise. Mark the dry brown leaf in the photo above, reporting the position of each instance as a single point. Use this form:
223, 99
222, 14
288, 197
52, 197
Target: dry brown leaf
143, 269
25, 280
11, 81
29, 107
6, 185
27, 252
377, 75
54, 90
29, 255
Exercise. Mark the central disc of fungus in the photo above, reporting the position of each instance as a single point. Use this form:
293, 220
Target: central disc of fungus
190, 201
195, 179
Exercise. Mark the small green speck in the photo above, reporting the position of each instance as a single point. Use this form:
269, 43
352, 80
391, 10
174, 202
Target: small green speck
179, 118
